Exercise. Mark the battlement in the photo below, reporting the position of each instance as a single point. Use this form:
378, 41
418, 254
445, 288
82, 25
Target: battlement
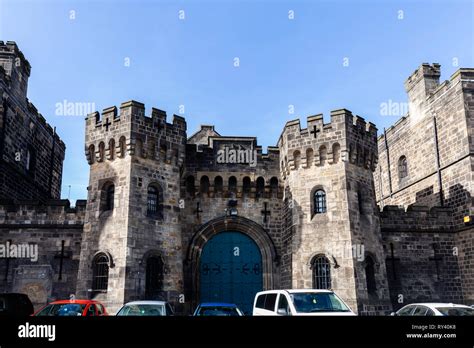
31, 213
435, 94
340, 116
112, 134
347, 137
132, 112
10, 51
425, 71
416, 218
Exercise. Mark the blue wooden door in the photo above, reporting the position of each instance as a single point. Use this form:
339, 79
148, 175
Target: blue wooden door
230, 270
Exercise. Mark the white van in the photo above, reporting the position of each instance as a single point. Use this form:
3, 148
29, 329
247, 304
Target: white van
304, 302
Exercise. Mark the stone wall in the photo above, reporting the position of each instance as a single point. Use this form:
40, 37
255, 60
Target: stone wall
415, 139
339, 159
423, 255
31, 153
56, 230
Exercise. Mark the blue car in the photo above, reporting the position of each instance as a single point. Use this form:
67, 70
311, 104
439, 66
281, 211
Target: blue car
217, 309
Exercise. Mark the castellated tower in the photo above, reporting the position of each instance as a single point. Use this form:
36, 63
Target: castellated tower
131, 232
332, 224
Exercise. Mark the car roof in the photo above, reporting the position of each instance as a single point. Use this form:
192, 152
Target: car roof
217, 304
145, 303
439, 304
295, 291
74, 302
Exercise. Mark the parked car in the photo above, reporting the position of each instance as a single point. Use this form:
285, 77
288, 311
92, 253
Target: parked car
15, 304
68, 308
146, 308
434, 309
218, 310
303, 302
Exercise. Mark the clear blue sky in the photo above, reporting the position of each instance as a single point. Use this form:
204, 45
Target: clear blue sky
190, 62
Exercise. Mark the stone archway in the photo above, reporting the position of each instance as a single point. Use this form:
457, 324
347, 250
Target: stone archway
238, 224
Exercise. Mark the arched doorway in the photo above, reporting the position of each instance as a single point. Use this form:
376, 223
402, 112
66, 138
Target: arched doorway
237, 224
230, 270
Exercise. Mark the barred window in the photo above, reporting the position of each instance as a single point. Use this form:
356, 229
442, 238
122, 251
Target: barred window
154, 202
321, 272
100, 273
319, 202
154, 277
370, 275
402, 168
109, 197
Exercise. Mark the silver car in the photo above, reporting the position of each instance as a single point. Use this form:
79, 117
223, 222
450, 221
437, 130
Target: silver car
146, 308
435, 309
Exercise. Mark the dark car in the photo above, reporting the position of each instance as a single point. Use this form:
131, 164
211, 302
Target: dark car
15, 304
217, 309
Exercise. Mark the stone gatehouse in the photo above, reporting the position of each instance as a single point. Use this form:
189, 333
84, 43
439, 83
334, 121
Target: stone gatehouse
208, 217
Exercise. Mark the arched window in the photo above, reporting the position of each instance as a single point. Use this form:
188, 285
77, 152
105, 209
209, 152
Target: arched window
260, 186
30, 160
218, 184
204, 184
232, 184
351, 154
370, 274
154, 277
402, 167
321, 272
111, 149
190, 186
323, 155
319, 202
91, 153
154, 201
101, 151
138, 148
274, 185
123, 146
246, 184
360, 200
309, 158
108, 192
100, 273
297, 159
163, 150
336, 152
151, 149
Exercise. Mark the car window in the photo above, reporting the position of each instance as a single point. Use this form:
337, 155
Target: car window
209, 311
270, 302
429, 312
312, 302
283, 304
169, 310
419, 311
91, 311
100, 309
456, 311
261, 301
405, 311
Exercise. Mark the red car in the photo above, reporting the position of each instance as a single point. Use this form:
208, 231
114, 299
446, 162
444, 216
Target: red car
74, 308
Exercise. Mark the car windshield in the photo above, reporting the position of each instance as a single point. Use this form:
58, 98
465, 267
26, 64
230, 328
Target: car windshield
218, 311
62, 310
456, 311
142, 310
311, 302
